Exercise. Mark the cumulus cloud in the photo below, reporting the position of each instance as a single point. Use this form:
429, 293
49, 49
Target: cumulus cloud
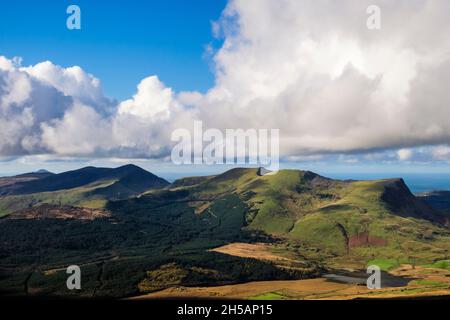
48, 109
313, 69
441, 152
404, 154
81, 131
25, 103
73, 82
152, 100
310, 68
5, 64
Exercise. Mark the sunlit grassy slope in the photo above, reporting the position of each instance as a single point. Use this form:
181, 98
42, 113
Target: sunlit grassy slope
74, 197
358, 220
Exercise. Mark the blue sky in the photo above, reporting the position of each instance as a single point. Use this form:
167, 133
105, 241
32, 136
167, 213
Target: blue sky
120, 42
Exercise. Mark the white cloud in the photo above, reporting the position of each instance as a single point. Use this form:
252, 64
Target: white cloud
73, 82
6, 64
152, 100
404, 154
48, 109
17, 89
24, 104
81, 131
310, 68
441, 153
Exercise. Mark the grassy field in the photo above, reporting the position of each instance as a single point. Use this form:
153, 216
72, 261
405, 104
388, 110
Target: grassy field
425, 282
75, 197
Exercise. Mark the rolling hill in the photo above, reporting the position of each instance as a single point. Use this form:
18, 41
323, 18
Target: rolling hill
129, 176
86, 187
15, 180
363, 220
160, 235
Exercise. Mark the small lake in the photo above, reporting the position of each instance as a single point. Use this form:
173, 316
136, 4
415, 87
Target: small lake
360, 278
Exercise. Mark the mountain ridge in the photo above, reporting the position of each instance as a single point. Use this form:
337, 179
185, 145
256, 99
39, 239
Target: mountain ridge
84, 176
313, 223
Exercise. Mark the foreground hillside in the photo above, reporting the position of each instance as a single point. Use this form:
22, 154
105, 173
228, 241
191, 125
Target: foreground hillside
422, 283
190, 233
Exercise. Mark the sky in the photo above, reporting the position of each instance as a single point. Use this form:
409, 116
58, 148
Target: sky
346, 97
138, 38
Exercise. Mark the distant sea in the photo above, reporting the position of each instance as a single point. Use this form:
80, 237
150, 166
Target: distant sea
417, 182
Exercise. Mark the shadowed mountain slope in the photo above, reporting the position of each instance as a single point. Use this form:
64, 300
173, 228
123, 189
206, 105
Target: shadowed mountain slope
88, 187
132, 177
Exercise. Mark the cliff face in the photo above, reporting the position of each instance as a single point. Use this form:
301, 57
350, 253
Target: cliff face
402, 202
440, 201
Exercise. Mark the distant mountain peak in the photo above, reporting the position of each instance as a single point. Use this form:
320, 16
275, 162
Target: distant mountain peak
263, 171
42, 171
131, 166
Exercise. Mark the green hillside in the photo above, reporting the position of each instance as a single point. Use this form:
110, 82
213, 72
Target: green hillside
87, 187
361, 220
158, 235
